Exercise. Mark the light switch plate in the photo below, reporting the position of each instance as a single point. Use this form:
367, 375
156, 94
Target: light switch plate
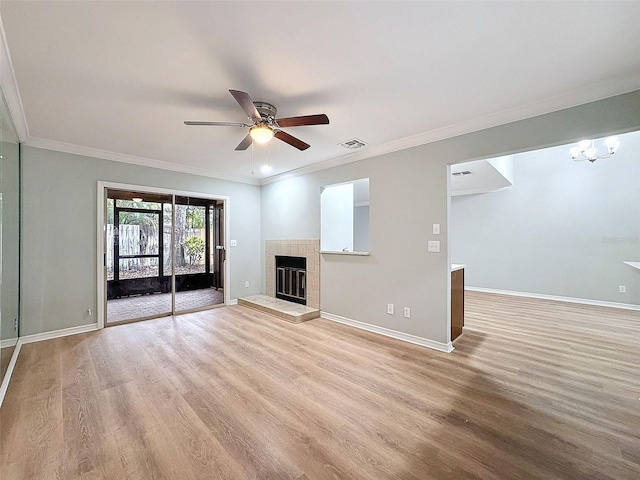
433, 246
436, 229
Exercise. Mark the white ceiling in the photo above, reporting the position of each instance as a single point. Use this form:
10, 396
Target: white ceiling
117, 79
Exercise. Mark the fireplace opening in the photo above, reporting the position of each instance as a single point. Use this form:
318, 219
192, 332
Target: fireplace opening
291, 279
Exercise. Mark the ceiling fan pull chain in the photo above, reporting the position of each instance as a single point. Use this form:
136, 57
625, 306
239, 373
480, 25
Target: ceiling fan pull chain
251, 158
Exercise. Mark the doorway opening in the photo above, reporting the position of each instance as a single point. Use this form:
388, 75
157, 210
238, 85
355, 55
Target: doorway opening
163, 254
551, 224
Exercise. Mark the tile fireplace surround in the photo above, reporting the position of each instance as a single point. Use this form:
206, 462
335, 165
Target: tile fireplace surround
309, 249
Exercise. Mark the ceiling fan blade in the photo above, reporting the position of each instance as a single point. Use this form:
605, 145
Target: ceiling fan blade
244, 144
321, 119
223, 124
291, 140
246, 103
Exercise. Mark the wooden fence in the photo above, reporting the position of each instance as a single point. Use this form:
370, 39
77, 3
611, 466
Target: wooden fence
134, 241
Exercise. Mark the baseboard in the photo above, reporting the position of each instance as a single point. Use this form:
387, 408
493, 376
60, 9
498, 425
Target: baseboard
233, 302
39, 337
7, 376
405, 337
9, 342
542, 296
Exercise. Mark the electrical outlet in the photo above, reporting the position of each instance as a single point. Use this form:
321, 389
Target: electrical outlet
246, 284
390, 308
407, 312
622, 289
233, 243
433, 246
15, 324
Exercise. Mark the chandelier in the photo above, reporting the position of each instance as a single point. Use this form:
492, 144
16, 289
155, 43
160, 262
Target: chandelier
587, 149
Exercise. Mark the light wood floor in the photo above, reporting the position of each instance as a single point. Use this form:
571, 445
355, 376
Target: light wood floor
5, 358
534, 389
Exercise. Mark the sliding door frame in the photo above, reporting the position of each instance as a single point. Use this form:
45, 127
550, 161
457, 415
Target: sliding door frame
101, 234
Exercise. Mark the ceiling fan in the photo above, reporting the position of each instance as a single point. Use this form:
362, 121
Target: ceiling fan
264, 124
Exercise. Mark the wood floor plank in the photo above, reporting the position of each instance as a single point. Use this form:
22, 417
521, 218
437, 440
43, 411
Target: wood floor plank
184, 445
27, 440
534, 390
128, 425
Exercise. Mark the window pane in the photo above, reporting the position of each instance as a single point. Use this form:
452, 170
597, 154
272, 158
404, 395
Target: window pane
166, 237
194, 283
138, 233
190, 239
140, 205
109, 245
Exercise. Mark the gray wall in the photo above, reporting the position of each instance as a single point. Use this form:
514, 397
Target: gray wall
408, 193
59, 232
563, 229
398, 268
9, 175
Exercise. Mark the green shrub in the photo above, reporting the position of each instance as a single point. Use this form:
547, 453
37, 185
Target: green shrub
194, 247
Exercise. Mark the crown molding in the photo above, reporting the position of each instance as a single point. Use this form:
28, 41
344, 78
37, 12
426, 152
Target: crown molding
10, 88
549, 105
552, 104
48, 144
12, 96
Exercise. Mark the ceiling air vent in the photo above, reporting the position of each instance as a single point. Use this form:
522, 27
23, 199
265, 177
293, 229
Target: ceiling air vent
353, 144
462, 173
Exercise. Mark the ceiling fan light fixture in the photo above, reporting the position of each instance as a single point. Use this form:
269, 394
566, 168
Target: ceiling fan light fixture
263, 124
261, 133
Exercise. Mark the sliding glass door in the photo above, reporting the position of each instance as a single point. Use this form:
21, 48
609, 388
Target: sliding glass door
164, 255
197, 277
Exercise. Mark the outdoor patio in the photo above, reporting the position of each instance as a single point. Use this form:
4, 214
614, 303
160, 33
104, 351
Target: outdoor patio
141, 306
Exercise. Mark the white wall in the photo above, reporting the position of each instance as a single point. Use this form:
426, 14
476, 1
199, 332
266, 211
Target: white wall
397, 270
408, 192
59, 219
563, 229
336, 218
